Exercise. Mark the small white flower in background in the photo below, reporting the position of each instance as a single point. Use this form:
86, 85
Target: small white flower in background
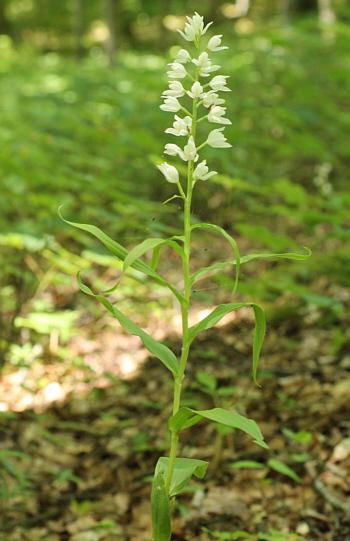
216, 139
214, 43
183, 56
196, 90
170, 172
194, 27
201, 171
175, 89
219, 83
178, 71
210, 99
171, 105
181, 126
216, 114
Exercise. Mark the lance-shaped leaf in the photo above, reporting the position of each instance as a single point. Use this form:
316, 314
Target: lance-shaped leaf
121, 252
160, 351
232, 244
149, 244
161, 520
184, 468
187, 417
222, 310
245, 259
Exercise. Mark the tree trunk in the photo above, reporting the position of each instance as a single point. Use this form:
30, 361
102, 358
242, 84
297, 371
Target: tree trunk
5, 26
110, 16
325, 12
78, 26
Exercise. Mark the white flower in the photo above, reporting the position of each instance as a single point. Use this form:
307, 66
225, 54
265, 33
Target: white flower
210, 99
201, 171
196, 90
202, 61
214, 43
194, 27
170, 172
205, 72
171, 105
218, 83
216, 113
178, 71
216, 139
181, 126
183, 56
190, 151
175, 89
205, 64
172, 149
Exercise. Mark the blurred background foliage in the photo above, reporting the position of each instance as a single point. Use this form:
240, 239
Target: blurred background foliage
81, 127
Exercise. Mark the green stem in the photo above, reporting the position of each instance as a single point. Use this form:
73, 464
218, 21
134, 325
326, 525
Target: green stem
187, 294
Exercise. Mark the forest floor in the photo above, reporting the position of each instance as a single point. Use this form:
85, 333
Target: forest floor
79, 450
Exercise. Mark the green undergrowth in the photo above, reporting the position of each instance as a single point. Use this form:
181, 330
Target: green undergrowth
88, 137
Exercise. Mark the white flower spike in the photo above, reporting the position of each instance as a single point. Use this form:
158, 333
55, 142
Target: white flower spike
201, 171
214, 43
205, 95
170, 172
216, 139
171, 105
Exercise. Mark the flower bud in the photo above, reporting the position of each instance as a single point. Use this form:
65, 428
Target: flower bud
170, 172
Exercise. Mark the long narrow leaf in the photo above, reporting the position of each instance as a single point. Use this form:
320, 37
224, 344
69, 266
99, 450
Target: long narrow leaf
160, 351
122, 253
222, 310
245, 259
233, 245
146, 245
187, 417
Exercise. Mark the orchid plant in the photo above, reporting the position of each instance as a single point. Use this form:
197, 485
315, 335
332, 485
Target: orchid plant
205, 104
